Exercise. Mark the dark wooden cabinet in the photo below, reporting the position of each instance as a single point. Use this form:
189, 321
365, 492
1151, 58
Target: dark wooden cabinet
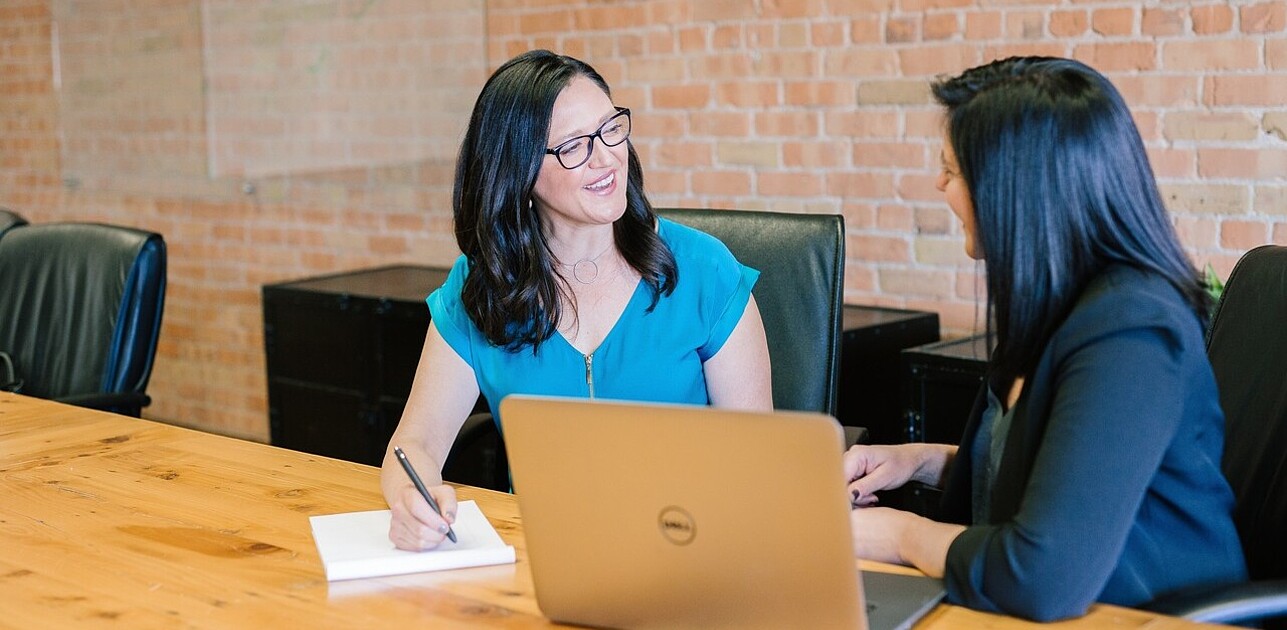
870, 369
942, 380
342, 352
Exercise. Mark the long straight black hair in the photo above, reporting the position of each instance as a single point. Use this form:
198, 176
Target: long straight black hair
1062, 188
512, 290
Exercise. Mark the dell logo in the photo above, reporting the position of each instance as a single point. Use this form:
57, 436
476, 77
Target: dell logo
676, 525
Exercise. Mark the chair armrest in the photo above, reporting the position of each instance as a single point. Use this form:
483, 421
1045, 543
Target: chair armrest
1228, 603
477, 457
125, 403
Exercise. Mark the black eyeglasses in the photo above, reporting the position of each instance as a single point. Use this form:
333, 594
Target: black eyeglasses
576, 151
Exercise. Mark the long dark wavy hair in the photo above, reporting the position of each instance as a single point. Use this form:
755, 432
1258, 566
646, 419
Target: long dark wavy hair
1062, 188
512, 290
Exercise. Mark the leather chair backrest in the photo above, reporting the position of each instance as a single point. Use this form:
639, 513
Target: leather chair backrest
1247, 345
80, 306
10, 219
800, 293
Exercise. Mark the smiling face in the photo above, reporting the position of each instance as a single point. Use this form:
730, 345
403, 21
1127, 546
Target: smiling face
954, 189
593, 193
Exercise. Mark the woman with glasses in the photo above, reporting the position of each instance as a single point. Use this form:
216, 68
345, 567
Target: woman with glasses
1090, 467
568, 283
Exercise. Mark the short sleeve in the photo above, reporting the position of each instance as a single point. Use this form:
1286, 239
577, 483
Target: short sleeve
447, 312
740, 279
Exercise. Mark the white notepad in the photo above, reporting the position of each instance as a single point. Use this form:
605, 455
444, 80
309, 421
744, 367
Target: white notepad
356, 545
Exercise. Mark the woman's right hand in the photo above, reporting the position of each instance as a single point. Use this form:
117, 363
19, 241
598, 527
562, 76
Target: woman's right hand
415, 526
871, 468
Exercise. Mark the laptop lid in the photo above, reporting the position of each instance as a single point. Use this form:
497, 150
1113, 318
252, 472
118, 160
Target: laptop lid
649, 515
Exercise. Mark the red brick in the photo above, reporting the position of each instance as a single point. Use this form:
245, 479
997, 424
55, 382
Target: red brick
1243, 235
1162, 22
720, 123
860, 185
723, 10
681, 96
866, 30
1173, 163
1113, 57
1025, 25
819, 93
733, 66
861, 62
1238, 163
789, 64
939, 26
902, 30
928, 60
1267, 17
792, 124
1232, 126
1276, 54
693, 38
895, 217
1216, 199
786, 9
669, 12
1046, 49
1071, 23
916, 281
727, 36
1270, 199
816, 154
752, 94
1200, 232
789, 184
679, 153
1113, 22
1169, 91
1234, 90
1211, 55
545, 22
982, 25
912, 6
827, 34
919, 187
859, 7
1212, 19
879, 248
887, 155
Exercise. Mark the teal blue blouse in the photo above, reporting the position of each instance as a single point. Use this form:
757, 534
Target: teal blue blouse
654, 356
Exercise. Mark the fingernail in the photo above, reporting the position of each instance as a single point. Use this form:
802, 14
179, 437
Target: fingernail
451, 516
442, 529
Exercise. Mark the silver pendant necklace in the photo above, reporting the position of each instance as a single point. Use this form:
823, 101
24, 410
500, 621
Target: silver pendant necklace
586, 270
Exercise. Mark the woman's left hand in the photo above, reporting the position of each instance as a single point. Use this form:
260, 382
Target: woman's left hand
877, 533
898, 537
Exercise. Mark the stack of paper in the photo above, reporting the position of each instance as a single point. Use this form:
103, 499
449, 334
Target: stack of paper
356, 545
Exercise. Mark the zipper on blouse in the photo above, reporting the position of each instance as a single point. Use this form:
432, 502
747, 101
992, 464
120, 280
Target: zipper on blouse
589, 372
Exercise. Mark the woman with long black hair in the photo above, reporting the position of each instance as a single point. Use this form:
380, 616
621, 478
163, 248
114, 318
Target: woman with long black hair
1090, 466
568, 284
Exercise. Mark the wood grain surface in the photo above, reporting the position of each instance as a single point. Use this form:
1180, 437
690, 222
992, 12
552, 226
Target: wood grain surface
113, 522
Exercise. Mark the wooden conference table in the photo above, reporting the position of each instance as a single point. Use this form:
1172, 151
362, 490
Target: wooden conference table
108, 521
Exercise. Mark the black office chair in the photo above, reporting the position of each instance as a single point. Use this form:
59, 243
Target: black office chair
80, 310
1247, 346
800, 295
10, 219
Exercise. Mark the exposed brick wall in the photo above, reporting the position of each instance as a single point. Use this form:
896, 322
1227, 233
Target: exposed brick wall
795, 105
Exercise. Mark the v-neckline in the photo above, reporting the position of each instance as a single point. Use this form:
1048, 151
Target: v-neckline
634, 295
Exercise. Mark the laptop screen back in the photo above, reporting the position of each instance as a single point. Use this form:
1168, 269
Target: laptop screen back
649, 515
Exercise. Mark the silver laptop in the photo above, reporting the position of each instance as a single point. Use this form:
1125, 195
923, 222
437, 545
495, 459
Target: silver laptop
662, 516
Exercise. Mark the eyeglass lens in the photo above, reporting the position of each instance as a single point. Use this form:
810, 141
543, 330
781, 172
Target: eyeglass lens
576, 152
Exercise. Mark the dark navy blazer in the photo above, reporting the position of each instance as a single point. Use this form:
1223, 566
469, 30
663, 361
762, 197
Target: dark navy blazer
1109, 488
